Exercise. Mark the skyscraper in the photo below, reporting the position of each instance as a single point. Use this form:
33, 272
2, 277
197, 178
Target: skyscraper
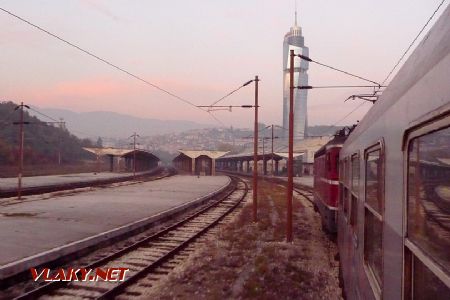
293, 40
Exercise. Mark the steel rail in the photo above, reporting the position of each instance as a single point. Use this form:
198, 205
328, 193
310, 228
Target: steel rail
119, 288
305, 193
52, 286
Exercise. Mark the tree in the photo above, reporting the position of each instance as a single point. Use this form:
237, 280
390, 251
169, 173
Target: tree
43, 142
99, 143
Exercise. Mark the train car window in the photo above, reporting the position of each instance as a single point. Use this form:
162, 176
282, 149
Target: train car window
355, 173
344, 173
373, 228
347, 172
341, 185
346, 201
373, 172
354, 212
426, 284
373, 217
428, 214
354, 187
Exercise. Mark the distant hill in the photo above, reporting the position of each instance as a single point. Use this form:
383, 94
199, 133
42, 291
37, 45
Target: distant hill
115, 125
43, 142
322, 130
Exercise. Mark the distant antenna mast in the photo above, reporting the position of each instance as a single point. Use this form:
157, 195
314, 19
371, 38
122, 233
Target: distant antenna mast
295, 12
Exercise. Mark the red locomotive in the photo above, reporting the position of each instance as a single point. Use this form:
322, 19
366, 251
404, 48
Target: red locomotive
326, 180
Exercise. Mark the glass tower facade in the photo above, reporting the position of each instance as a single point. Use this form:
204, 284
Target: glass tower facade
293, 40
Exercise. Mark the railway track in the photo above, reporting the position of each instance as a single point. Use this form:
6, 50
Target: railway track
149, 258
304, 190
154, 175
307, 193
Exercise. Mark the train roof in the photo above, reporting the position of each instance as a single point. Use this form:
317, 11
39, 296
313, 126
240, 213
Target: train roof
434, 47
337, 141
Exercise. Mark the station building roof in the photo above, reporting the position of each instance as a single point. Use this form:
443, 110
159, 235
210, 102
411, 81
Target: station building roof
196, 153
119, 152
286, 154
308, 146
305, 147
311, 143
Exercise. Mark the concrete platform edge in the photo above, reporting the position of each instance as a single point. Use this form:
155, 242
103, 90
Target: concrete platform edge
16, 267
48, 188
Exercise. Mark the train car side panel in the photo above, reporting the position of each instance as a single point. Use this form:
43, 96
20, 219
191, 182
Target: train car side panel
379, 257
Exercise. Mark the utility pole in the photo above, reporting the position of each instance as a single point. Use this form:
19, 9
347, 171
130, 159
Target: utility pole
61, 127
255, 156
264, 151
272, 151
273, 137
134, 136
255, 137
290, 186
21, 148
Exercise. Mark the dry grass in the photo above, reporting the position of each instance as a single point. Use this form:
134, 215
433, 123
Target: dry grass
252, 261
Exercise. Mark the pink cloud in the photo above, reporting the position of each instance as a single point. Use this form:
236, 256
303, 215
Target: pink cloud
91, 88
121, 94
95, 88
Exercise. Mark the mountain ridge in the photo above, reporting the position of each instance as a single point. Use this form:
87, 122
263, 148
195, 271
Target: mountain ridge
117, 125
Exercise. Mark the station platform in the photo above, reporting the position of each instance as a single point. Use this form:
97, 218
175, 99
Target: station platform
7, 184
304, 180
41, 229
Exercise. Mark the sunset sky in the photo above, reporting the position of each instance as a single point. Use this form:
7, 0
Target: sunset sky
199, 50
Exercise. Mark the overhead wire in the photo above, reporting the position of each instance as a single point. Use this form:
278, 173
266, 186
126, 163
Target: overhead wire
398, 62
347, 115
217, 119
101, 59
44, 115
222, 98
309, 87
336, 69
227, 95
6, 123
412, 43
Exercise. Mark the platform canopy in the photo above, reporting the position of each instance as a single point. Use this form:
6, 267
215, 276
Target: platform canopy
286, 154
196, 153
108, 151
117, 152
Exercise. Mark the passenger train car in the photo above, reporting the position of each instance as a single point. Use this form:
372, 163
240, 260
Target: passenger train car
326, 175
394, 185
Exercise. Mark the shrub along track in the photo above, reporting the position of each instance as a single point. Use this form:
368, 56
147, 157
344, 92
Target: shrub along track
248, 260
